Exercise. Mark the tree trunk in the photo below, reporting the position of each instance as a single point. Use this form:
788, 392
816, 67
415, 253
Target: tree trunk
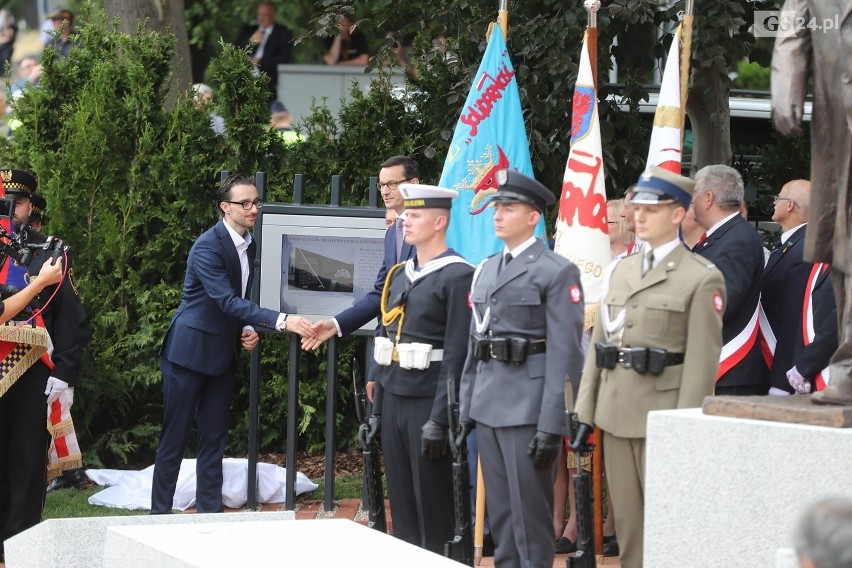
162, 16
710, 116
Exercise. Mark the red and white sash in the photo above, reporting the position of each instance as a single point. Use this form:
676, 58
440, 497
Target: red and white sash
808, 332
767, 338
736, 349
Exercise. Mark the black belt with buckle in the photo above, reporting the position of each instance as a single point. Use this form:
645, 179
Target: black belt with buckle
648, 359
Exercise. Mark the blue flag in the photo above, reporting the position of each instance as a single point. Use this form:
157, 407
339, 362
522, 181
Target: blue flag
489, 136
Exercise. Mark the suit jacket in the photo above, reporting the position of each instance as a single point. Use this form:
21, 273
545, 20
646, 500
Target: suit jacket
277, 49
813, 358
782, 293
677, 306
737, 252
367, 307
825, 54
204, 334
537, 296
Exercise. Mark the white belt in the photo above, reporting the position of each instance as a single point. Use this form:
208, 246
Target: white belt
408, 355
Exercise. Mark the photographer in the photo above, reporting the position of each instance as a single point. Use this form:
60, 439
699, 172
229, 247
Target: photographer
31, 378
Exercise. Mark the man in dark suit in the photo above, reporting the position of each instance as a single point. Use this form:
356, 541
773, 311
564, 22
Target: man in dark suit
198, 356
733, 245
393, 172
798, 323
31, 378
270, 45
531, 299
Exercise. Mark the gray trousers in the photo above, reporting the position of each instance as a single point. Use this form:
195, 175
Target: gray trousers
519, 498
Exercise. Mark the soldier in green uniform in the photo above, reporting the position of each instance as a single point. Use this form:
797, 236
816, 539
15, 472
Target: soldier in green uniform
656, 346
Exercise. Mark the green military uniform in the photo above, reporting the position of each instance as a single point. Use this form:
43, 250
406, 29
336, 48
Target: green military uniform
677, 306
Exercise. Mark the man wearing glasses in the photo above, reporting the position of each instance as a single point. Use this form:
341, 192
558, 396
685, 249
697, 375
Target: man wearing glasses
198, 356
394, 171
792, 288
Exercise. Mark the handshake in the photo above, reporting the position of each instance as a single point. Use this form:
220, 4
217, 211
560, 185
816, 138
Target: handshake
317, 333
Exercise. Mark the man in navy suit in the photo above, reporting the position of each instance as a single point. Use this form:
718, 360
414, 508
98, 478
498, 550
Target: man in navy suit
394, 171
269, 43
733, 245
794, 295
198, 356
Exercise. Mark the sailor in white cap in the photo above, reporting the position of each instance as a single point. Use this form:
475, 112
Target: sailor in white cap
425, 315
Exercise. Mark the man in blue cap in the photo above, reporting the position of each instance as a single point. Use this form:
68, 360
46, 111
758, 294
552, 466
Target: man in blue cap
656, 346
525, 343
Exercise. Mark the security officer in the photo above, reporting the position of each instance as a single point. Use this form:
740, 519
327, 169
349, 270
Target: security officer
525, 341
425, 314
39, 380
656, 346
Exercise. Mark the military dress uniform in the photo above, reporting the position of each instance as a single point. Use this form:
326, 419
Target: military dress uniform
23, 427
536, 302
675, 308
424, 305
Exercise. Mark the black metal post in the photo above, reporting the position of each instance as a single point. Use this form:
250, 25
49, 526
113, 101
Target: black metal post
335, 191
298, 188
330, 414
254, 366
372, 191
292, 408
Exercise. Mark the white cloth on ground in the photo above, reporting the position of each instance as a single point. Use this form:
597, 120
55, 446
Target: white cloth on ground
131, 490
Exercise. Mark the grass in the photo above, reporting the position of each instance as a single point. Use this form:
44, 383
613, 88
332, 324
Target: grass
73, 503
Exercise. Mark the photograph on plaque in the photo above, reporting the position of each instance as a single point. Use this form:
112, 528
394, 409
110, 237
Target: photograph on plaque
326, 274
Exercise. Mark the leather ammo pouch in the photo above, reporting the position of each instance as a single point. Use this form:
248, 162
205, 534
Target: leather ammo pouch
500, 349
656, 360
639, 359
606, 355
517, 349
383, 350
481, 346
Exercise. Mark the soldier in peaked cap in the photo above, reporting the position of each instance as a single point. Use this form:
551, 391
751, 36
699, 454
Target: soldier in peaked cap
656, 345
525, 339
34, 381
425, 316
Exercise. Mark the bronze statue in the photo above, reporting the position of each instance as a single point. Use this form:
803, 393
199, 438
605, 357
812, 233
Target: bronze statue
818, 43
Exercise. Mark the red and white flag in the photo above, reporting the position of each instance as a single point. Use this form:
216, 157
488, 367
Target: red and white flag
666, 148
582, 232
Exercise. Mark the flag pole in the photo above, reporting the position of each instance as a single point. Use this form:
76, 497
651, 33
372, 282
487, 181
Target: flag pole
592, 7
503, 17
685, 53
479, 510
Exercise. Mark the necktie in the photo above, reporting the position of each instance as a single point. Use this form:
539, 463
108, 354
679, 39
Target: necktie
777, 245
399, 238
650, 262
507, 258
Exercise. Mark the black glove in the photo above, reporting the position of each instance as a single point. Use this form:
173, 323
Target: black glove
460, 439
544, 448
368, 432
433, 440
578, 441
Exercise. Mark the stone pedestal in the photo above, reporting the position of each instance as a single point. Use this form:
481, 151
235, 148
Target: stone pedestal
331, 542
79, 543
727, 492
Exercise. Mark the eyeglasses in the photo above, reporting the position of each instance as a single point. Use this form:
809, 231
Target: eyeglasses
778, 198
247, 205
392, 185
